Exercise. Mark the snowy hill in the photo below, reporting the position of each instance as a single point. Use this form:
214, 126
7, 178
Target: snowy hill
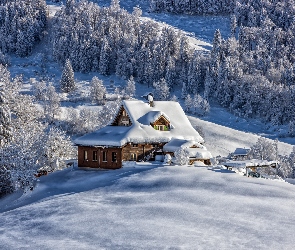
151, 207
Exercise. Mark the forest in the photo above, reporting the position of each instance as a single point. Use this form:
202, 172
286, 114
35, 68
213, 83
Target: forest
251, 73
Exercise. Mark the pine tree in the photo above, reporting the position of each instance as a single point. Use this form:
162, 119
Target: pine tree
52, 103
5, 117
233, 25
161, 90
188, 103
67, 82
291, 129
97, 91
104, 60
130, 87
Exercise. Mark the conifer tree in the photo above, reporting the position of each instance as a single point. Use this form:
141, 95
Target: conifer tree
104, 57
97, 91
188, 103
162, 91
52, 103
67, 82
130, 87
5, 118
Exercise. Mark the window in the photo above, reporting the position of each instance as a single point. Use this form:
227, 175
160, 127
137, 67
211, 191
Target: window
132, 157
104, 156
114, 156
161, 127
134, 145
94, 158
85, 155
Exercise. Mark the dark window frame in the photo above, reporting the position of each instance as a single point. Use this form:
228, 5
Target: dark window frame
94, 156
104, 156
114, 156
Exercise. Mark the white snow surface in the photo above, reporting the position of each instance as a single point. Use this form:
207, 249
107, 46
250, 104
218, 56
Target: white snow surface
141, 131
145, 206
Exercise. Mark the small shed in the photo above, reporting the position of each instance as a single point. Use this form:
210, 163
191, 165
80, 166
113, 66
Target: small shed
250, 164
241, 153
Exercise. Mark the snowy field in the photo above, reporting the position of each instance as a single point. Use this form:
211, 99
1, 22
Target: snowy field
151, 207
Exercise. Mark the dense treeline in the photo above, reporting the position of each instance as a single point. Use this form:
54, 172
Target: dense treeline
22, 23
27, 141
199, 7
111, 40
253, 73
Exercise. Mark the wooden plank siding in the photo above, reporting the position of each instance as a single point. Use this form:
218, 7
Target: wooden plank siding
99, 157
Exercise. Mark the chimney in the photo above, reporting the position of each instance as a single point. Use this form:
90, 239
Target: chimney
151, 100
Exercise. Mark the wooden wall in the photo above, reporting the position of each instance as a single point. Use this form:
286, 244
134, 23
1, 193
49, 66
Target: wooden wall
99, 163
141, 151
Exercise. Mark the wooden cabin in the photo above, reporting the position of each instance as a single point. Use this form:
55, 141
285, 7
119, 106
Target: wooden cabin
139, 132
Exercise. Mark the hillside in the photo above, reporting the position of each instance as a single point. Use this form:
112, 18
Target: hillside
150, 207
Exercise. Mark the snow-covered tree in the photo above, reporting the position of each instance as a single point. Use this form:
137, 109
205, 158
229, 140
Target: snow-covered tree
291, 129
188, 103
52, 103
5, 116
57, 148
6, 185
162, 91
104, 60
22, 25
97, 91
67, 82
264, 149
39, 90
130, 87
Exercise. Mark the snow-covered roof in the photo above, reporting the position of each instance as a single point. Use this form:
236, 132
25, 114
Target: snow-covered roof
241, 151
249, 163
153, 116
198, 151
175, 144
141, 114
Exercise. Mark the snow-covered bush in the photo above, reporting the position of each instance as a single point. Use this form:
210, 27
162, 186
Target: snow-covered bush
181, 156
167, 158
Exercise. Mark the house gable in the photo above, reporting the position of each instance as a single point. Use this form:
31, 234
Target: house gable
162, 123
122, 118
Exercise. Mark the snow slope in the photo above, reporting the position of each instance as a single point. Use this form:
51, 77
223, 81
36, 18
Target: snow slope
151, 207
222, 140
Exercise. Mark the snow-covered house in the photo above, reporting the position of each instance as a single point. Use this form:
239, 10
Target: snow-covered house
241, 153
141, 131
